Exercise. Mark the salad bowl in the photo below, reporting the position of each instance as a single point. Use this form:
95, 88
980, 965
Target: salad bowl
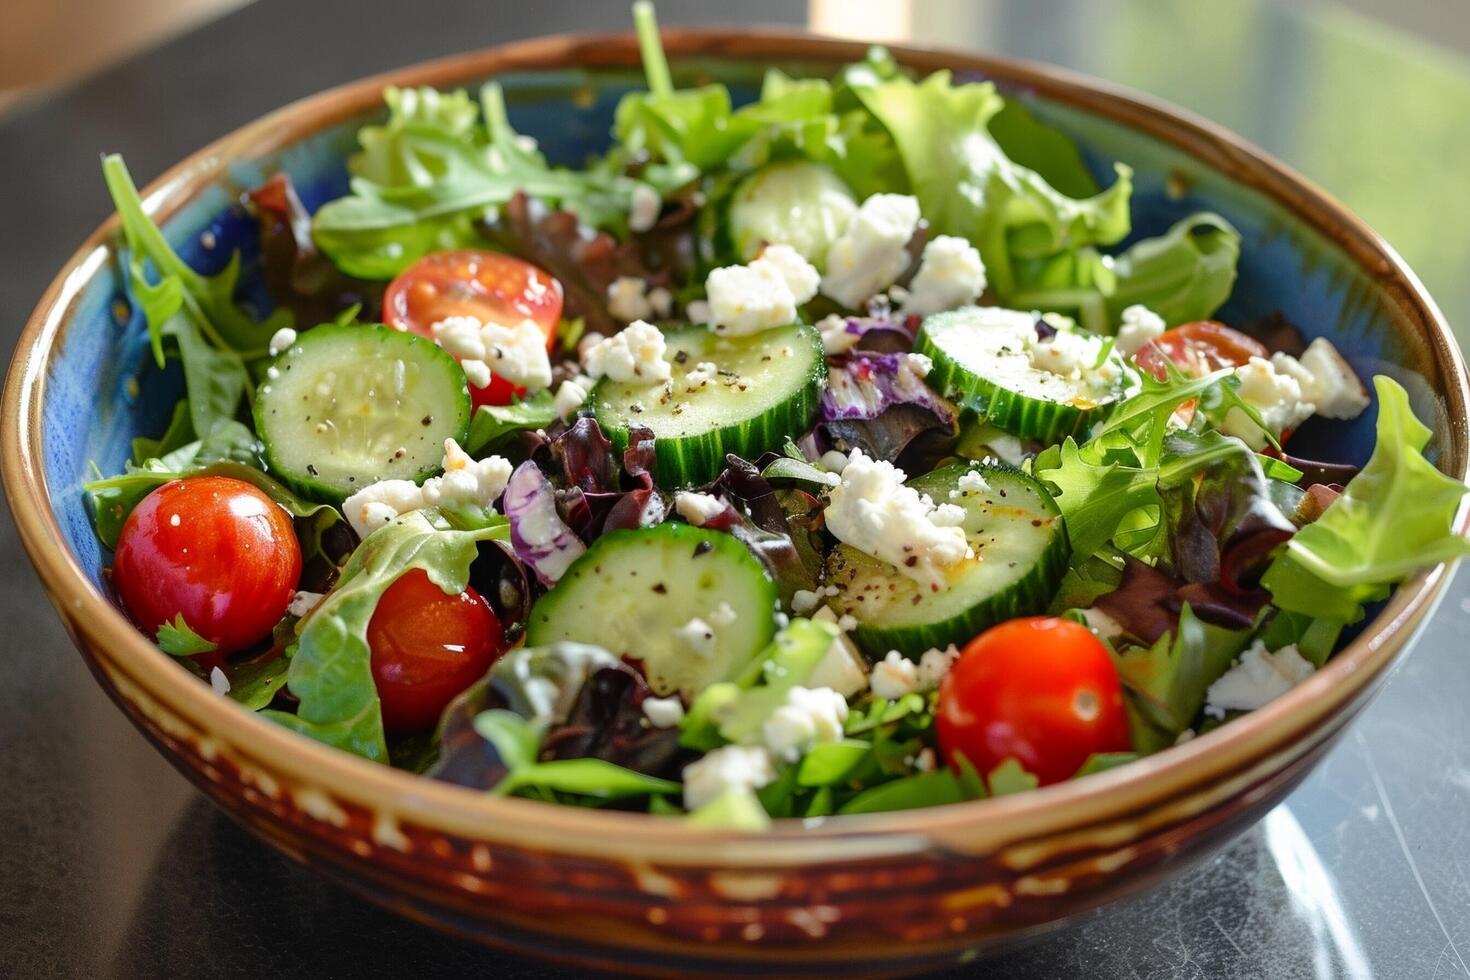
881, 894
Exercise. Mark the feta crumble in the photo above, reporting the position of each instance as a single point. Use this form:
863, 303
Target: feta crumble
742, 768
894, 676
1334, 387
516, 352
843, 668
219, 682
1276, 395
804, 601
872, 252
281, 340
809, 717
1258, 678
1067, 353
627, 299
873, 511
697, 508
303, 603
968, 483
663, 712
950, 275
934, 664
633, 355
836, 338
571, 395
1138, 326
643, 208
698, 636
465, 480
746, 299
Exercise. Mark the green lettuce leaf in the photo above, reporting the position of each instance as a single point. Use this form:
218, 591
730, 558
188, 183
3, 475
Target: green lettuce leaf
492, 425
1393, 519
967, 186
331, 672
178, 639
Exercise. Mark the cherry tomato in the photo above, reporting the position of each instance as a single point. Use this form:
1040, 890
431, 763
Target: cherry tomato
427, 646
1199, 348
488, 286
214, 550
1042, 690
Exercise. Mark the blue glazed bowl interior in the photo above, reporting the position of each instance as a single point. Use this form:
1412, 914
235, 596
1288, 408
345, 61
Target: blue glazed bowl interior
102, 389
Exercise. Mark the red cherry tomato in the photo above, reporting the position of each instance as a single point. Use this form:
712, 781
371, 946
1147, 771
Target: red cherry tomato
1042, 690
214, 550
427, 646
488, 286
1199, 348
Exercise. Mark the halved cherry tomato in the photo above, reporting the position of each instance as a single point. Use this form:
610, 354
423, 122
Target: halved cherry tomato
214, 550
427, 646
1041, 690
1199, 348
489, 286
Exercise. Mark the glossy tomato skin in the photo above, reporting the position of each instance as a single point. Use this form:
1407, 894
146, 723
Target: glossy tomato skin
1040, 689
489, 286
215, 550
1199, 348
427, 646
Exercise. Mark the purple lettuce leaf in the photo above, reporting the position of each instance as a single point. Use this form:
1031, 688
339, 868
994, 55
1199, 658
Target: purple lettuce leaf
606, 722
539, 536
878, 403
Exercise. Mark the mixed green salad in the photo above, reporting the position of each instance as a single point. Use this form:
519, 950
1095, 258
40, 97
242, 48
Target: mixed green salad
823, 455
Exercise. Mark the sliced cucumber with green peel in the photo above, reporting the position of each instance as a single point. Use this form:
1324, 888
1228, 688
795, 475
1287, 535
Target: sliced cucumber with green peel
694, 606
1021, 553
982, 362
347, 406
766, 390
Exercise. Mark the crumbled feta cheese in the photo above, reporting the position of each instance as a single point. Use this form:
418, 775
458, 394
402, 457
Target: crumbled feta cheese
920, 364
1258, 678
836, 338
477, 373
810, 716
894, 676
704, 373
663, 712
843, 667
804, 601
518, 353
742, 768
643, 208
833, 461
925, 761
723, 615
1138, 326
746, 299
281, 340
872, 252
627, 299
847, 622
873, 511
697, 508
698, 636
633, 355
1276, 395
219, 681
950, 275
303, 603
699, 311
1334, 387
968, 483
934, 664
802, 278
273, 373
465, 481
1101, 623
459, 336
1067, 353
662, 301
570, 396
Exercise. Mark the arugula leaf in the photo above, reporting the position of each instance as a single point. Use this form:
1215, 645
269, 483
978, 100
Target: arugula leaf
967, 186
178, 639
180, 432
1010, 777
1094, 496
331, 673
494, 424
255, 683
1103, 761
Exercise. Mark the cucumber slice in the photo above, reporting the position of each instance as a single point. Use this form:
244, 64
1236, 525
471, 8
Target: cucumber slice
347, 406
767, 390
1021, 554
638, 593
981, 362
794, 202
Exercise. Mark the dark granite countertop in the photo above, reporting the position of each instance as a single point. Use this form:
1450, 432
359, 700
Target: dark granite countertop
111, 865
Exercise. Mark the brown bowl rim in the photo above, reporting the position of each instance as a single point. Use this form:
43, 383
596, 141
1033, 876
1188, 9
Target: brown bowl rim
1249, 741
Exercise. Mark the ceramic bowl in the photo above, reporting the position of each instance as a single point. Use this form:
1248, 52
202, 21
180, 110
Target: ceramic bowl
886, 893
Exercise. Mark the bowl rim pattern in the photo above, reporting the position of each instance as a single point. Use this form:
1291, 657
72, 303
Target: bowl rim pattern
1271, 733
